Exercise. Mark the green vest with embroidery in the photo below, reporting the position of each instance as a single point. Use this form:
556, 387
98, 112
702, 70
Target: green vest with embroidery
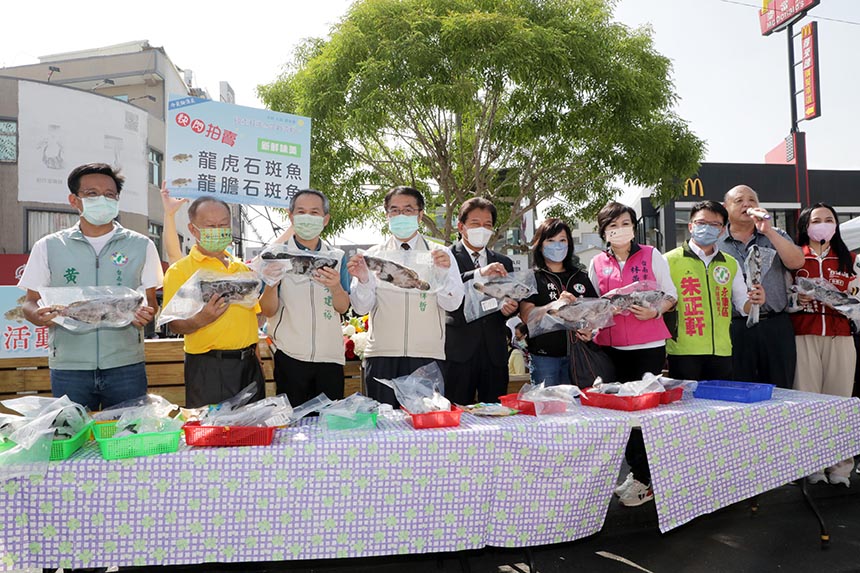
72, 261
704, 303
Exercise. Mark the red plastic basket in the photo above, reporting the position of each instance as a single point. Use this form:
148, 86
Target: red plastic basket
528, 408
447, 419
672, 395
626, 403
197, 435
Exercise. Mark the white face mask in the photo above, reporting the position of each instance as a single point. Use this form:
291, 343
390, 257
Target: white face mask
478, 237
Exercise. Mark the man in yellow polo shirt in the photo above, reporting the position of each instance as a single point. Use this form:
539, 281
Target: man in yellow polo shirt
220, 340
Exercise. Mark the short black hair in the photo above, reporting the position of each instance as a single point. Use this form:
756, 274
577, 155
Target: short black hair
713, 207
404, 190
476, 203
523, 328
320, 194
609, 213
74, 180
192, 209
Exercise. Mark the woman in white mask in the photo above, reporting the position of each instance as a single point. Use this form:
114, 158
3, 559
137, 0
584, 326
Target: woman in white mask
825, 350
636, 343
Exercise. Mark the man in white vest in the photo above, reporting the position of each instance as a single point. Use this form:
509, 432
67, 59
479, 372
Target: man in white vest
406, 329
304, 311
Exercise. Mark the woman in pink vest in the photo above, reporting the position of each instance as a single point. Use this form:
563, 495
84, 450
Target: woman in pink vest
825, 349
637, 342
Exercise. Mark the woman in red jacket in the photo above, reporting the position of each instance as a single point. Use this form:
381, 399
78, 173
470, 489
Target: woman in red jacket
825, 349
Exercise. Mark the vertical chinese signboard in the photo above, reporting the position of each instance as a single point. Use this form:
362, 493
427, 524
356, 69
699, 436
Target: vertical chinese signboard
811, 84
776, 14
236, 154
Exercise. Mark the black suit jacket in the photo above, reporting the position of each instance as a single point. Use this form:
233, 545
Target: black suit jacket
464, 340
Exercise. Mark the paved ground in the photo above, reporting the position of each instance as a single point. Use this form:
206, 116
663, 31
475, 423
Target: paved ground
782, 536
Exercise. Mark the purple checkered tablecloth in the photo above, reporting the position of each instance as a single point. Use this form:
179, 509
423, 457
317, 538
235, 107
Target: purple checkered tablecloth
708, 454
314, 495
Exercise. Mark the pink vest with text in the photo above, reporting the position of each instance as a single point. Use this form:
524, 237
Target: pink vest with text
628, 330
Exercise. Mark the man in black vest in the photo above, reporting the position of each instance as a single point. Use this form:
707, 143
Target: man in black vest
476, 352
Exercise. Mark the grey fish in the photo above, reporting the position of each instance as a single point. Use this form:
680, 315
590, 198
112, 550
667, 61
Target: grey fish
580, 316
103, 311
182, 157
229, 289
503, 288
301, 264
829, 297
17, 313
647, 298
395, 273
180, 182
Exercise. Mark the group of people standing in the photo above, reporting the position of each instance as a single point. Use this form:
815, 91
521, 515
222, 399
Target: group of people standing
698, 331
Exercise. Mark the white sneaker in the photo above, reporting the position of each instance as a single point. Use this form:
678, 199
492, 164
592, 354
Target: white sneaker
628, 481
636, 494
817, 477
839, 480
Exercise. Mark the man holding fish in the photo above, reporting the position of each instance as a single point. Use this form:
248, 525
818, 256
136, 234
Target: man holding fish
407, 323
105, 366
304, 307
476, 352
765, 352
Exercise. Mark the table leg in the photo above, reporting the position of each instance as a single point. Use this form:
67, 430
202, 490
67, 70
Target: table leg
825, 536
530, 559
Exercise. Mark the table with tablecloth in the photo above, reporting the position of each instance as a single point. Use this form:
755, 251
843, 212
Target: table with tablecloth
514, 482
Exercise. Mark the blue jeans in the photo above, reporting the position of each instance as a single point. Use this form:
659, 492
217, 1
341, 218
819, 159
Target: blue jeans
100, 389
551, 370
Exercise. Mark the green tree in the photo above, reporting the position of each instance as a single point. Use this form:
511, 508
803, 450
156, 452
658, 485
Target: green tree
518, 101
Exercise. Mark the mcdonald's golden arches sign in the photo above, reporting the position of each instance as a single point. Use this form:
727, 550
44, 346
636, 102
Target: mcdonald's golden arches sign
694, 187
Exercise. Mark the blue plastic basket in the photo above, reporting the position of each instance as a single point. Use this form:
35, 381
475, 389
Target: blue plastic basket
731, 391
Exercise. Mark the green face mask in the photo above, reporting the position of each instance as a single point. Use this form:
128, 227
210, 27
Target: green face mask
308, 227
215, 240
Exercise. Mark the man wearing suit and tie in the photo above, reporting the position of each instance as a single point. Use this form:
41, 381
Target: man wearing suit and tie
476, 352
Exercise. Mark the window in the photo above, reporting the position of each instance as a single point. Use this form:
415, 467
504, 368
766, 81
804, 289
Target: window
155, 232
8, 141
155, 167
41, 223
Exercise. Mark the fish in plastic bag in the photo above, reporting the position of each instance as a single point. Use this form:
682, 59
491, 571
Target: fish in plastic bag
756, 265
582, 314
397, 274
639, 293
242, 289
484, 295
82, 309
826, 292
282, 260
420, 392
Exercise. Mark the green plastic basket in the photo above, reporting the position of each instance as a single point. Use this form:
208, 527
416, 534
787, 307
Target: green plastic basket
7, 445
63, 449
362, 421
135, 446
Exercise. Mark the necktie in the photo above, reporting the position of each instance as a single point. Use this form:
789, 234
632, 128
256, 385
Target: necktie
476, 257
405, 246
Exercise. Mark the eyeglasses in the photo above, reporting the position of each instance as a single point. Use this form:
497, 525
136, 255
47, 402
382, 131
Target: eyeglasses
92, 194
408, 211
709, 224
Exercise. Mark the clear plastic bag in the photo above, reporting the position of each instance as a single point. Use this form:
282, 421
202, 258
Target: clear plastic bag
647, 385
350, 406
583, 314
83, 309
547, 398
406, 270
422, 391
647, 294
154, 416
116, 411
485, 295
285, 260
237, 288
32, 438
826, 292
69, 417
756, 264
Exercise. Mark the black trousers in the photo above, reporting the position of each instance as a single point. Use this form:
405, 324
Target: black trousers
766, 352
213, 377
389, 367
301, 381
464, 379
632, 365
700, 367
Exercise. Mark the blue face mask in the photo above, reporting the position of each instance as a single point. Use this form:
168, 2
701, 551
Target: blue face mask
555, 251
403, 226
99, 210
705, 235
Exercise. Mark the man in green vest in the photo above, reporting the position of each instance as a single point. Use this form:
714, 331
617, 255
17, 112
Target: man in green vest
105, 366
709, 283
